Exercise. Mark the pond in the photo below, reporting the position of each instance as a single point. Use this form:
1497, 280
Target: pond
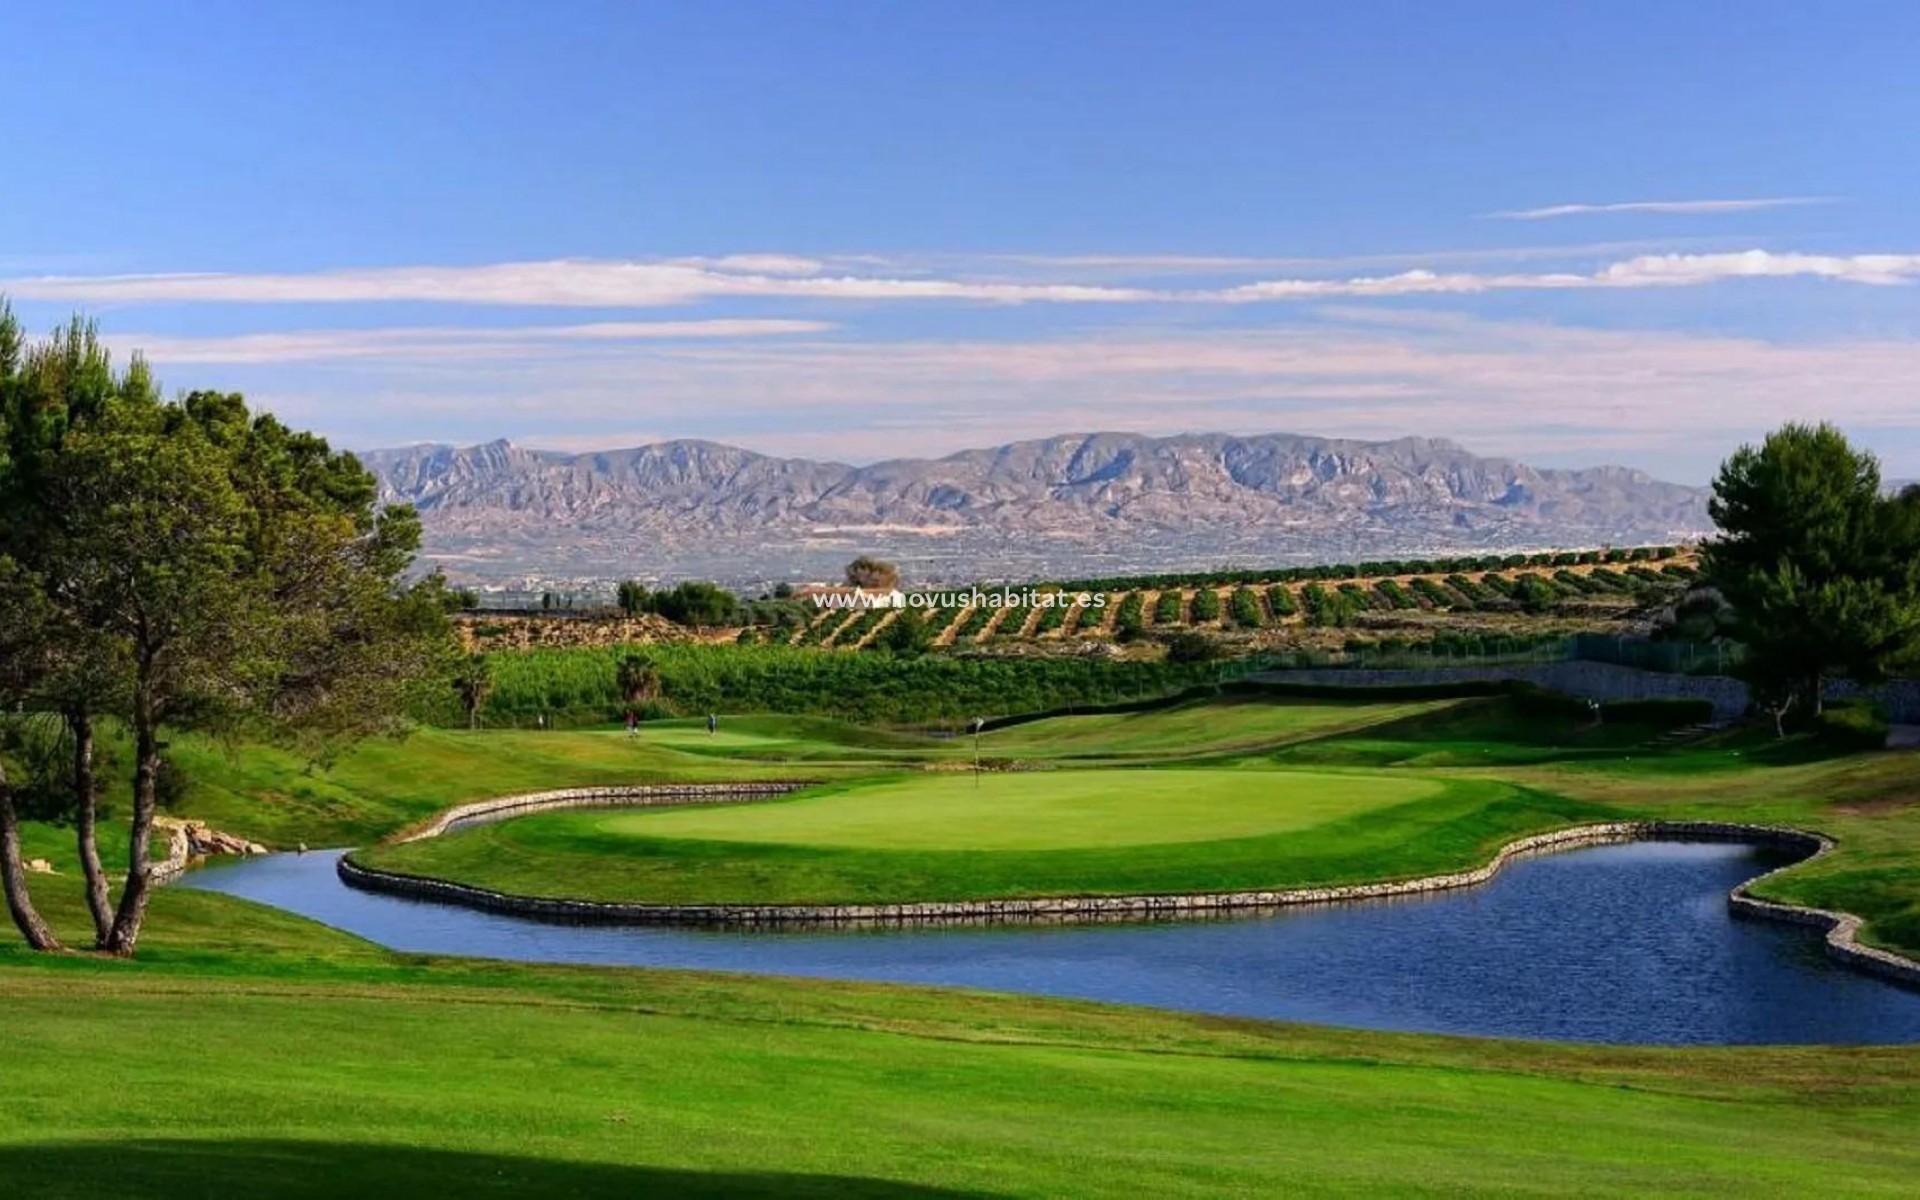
1621, 943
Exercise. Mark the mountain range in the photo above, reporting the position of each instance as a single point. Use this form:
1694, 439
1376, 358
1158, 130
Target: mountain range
1069, 505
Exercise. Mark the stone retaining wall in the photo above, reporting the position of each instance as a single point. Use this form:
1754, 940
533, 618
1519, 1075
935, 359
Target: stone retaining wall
1841, 928
652, 795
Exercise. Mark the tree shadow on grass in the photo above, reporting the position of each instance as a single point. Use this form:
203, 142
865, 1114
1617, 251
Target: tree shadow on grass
163, 1168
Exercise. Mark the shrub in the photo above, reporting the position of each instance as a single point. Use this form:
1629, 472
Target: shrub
1395, 595
1190, 646
1852, 725
1245, 607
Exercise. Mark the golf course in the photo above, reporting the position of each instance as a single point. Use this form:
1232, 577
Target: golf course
305, 1061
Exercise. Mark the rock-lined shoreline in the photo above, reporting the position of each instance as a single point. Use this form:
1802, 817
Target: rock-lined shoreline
1841, 929
648, 795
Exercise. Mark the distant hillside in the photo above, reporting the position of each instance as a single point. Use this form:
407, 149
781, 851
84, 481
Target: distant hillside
1076, 504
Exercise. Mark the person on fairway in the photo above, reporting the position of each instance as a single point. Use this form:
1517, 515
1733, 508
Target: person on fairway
713, 723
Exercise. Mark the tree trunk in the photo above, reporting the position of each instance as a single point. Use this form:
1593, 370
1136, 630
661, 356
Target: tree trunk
86, 812
13, 876
132, 912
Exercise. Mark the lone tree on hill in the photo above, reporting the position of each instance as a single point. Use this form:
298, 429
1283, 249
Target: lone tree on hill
1822, 569
873, 574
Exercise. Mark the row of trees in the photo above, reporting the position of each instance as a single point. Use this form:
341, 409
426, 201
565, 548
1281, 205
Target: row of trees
184, 563
1374, 569
1820, 564
695, 602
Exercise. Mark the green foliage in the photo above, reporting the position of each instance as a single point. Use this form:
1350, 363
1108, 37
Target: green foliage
472, 683
578, 685
633, 598
1170, 608
1328, 609
907, 635
1205, 607
1395, 595
1191, 646
1851, 727
1822, 570
1534, 594
1280, 600
1333, 572
1245, 608
696, 602
1130, 620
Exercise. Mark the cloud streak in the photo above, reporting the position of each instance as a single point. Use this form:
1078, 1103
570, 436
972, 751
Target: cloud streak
598, 283
1679, 207
441, 342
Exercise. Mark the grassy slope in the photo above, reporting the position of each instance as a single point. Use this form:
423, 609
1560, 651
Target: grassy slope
1229, 725
290, 1060
252, 1049
382, 785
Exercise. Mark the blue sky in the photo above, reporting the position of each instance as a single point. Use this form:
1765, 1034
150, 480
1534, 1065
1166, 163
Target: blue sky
1624, 232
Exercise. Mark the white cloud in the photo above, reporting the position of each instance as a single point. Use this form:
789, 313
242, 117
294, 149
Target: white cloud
612, 284
579, 283
430, 342
1683, 207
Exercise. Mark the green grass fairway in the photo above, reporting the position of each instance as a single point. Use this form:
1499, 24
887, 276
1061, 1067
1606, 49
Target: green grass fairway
1038, 810
309, 1065
1227, 725
252, 1052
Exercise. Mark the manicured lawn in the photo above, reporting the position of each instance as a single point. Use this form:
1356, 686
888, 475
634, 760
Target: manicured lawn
297, 1062
1034, 810
248, 1051
1343, 829
1231, 724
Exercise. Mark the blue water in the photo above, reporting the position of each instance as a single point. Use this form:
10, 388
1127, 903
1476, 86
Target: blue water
1628, 943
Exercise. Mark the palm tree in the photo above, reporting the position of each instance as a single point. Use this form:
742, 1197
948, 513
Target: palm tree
638, 679
474, 682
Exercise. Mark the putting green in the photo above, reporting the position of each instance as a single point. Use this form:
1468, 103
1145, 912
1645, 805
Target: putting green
1038, 810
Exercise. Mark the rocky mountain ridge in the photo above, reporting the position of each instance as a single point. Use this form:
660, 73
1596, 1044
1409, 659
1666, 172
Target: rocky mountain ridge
1071, 504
